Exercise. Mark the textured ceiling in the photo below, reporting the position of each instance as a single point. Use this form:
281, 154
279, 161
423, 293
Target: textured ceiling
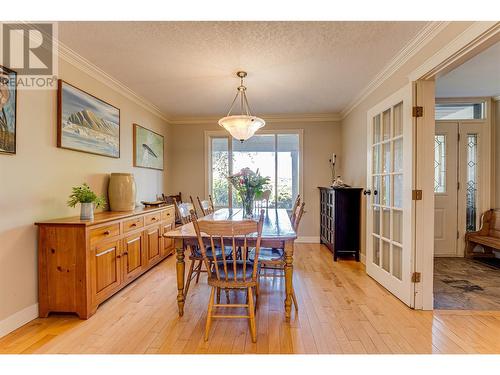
187, 68
480, 76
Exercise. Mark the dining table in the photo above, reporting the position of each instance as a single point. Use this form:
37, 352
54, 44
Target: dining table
277, 232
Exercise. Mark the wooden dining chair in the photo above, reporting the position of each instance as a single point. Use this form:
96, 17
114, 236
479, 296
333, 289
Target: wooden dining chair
230, 273
206, 206
295, 205
275, 258
194, 207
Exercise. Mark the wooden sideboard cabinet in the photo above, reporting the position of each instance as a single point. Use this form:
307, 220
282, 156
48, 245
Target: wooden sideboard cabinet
340, 210
83, 263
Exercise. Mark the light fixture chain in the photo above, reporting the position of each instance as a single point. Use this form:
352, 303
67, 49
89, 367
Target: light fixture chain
232, 104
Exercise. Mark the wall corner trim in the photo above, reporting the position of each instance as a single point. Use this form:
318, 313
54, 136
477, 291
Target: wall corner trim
425, 35
18, 319
270, 119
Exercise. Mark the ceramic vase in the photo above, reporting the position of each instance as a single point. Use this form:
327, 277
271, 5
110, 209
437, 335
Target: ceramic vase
121, 192
87, 211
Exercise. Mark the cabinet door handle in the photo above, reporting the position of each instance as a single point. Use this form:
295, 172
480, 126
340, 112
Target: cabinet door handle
118, 256
154, 219
125, 253
107, 233
134, 225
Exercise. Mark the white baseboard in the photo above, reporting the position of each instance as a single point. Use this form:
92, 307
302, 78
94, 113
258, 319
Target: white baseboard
307, 239
18, 319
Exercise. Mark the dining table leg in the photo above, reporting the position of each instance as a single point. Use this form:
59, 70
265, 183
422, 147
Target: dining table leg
288, 279
179, 248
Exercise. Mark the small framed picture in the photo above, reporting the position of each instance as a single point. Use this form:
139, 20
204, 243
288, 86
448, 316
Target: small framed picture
148, 148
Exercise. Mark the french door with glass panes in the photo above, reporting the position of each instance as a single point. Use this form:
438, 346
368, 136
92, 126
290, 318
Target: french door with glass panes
389, 195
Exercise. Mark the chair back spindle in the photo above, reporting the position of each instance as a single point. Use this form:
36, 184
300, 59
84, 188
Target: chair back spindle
297, 216
295, 205
184, 211
206, 206
237, 234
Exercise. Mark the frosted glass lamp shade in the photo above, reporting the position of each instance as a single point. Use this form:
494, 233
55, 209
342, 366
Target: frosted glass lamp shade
241, 127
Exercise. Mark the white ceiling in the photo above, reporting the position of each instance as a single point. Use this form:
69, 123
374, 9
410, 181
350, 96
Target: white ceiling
187, 68
480, 76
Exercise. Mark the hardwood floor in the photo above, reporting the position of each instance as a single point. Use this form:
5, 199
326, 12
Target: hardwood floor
342, 310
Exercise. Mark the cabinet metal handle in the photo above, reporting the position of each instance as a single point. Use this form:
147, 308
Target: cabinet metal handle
154, 219
125, 253
106, 251
367, 192
107, 233
134, 225
118, 256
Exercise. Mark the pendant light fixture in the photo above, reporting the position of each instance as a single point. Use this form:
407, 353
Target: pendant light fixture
244, 126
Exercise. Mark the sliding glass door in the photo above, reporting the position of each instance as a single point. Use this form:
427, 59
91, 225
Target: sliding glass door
276, 155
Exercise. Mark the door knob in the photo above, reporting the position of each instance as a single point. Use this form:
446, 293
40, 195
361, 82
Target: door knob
367, 192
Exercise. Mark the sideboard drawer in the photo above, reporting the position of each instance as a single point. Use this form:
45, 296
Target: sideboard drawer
168, 214
132, 224
105, 232
153, 218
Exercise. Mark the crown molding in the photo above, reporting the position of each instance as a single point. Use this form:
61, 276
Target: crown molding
97, 73
270, 119
409, 50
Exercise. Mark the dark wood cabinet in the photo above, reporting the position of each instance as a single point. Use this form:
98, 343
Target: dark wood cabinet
340, 210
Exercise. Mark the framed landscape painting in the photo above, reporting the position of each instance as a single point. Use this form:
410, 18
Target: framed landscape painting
148, 148
86, 123
8, 103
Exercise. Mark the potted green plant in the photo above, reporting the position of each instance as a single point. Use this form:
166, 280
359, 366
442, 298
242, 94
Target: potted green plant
88, 200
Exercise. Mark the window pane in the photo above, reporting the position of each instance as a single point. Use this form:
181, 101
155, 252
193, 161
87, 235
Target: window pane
398, 155
376, 129
386, 124
458, 111
220, 170
397, 261
386, 154
398, 119
255, 153
386, 256
439, 163
288, 169
376, 250
471, 182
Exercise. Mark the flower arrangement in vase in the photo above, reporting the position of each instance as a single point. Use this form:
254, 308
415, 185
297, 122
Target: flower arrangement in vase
249, 185
88, 199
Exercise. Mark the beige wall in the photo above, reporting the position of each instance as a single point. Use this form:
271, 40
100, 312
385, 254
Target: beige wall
36, 182
321, 139
354, 124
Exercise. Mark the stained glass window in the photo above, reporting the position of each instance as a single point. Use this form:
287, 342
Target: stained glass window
472, 178
439, 163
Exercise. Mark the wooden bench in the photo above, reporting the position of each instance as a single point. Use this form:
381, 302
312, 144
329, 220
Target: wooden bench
488, 235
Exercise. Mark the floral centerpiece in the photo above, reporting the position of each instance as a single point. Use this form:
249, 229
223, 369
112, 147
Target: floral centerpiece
249, 185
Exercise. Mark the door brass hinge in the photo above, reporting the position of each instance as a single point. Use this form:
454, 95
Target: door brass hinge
415, 277
416, 195
418, 111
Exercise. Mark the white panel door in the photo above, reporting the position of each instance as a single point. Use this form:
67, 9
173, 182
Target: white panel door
445, 189
389, 194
